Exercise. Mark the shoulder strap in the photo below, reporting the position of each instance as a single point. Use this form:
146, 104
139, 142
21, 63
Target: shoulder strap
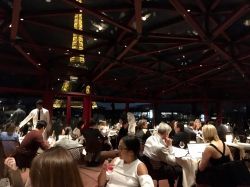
217, 148
224, 148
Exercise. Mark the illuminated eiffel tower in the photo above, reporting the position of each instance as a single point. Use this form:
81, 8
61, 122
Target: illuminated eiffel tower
77, 40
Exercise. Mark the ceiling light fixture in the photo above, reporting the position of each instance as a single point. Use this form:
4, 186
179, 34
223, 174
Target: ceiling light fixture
247, 22
145, 17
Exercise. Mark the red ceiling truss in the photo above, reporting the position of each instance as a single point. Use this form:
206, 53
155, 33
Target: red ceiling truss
145, 50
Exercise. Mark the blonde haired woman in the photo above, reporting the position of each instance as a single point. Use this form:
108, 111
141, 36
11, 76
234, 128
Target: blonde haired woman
215, 154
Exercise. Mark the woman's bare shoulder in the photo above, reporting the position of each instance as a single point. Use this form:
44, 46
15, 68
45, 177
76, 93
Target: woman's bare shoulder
142, 169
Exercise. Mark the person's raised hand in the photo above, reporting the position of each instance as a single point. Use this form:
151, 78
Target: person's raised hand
10, 162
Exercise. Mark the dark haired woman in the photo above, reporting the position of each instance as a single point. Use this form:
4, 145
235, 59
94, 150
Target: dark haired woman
127, 169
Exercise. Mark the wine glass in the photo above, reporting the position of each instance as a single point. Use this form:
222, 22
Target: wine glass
182, 144
110, 166
237, 139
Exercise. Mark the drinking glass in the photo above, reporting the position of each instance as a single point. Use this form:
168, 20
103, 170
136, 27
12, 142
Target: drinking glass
110, 166
237, 139
182, 144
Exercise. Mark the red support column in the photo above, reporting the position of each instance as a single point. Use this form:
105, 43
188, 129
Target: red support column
87, 109
48, 99
68, 110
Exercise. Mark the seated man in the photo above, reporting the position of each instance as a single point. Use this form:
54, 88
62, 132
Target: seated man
190, 129
180, 135
158, 148
30, 144
95, 143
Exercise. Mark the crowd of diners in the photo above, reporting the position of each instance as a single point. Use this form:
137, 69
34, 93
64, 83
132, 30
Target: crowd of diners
56, 166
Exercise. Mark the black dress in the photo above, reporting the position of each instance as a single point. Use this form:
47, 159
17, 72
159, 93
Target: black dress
210, 174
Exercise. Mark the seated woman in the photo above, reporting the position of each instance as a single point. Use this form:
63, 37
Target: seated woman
68, 143
127, 169
215, 154
53, 168
142, 132
10, 133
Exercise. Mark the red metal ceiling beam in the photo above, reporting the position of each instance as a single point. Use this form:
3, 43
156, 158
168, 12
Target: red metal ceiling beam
9, 56
201, 5
243, 38
234, 17
132, 43
103, 72
181, 9
98, 15
144, 69
49, 13
28, 58
171, 37
215, 4
218, 68
62, 49
118, 58
69, 30
39, 52
119, 38
205, 11
15, 18
17, 69
138, 11
158, 50
20, 91
244, 57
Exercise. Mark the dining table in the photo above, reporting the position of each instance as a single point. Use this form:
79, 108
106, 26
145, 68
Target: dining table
189, 165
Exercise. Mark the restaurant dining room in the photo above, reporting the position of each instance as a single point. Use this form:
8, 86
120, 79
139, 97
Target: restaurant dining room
124, 93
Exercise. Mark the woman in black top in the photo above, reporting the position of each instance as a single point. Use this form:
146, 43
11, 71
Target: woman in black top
215, 154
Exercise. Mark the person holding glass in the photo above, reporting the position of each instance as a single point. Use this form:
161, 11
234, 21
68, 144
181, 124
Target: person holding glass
215, 154
158, 148
180, 138
126, 170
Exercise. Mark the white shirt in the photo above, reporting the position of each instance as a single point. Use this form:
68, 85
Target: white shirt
156, 149
44, 115
125, 175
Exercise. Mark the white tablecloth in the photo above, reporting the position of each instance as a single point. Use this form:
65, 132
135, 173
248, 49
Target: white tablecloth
243, 147
189, 166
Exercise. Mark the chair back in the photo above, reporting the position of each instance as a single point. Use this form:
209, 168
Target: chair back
2, 157
9, 147
233, 173
235, 152
153, 168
